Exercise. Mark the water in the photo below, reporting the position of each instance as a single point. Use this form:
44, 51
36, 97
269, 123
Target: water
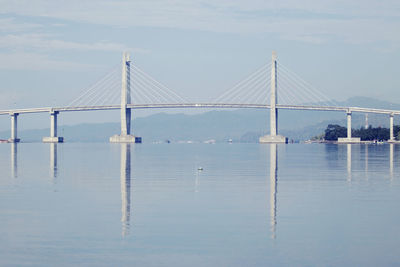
149, 205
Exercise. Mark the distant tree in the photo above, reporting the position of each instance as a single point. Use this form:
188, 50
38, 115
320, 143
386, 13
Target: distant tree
334, 131
370, 134
318, 137
396, 130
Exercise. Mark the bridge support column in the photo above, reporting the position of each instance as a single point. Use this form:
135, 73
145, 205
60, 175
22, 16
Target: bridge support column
273, 137
392, 140
125, 136
349, 125
14, 128
53, 138
349, 139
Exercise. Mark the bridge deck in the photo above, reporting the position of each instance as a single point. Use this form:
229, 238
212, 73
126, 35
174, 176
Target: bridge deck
199, 105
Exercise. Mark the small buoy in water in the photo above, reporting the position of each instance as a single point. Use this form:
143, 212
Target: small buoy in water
200, 168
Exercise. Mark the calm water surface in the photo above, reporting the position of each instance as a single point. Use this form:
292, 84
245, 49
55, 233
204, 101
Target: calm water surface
149, 205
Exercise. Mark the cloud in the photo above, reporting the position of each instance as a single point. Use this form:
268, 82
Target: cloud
42, 42
352, 31
17, 35
8, 98
313, 21
39, 62
11, 25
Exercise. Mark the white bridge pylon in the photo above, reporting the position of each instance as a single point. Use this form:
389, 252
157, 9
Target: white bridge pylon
273, 137
125, 136
272, 86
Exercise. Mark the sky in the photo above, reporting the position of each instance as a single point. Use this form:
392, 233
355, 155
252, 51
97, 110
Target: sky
52, 50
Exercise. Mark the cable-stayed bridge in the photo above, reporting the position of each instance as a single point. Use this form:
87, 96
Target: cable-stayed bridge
138, 90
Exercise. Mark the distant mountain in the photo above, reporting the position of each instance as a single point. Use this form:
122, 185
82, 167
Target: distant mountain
244, 125
367, 102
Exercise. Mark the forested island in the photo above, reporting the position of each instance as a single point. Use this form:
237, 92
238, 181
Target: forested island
335, 131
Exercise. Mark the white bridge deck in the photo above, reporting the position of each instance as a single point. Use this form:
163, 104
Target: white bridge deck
198, 105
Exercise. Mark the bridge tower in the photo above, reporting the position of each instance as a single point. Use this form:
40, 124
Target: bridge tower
125, 136
273, 137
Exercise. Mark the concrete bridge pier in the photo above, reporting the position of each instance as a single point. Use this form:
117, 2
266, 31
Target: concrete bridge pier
349, 139
53, 138
14, 128
273, 137
392, 138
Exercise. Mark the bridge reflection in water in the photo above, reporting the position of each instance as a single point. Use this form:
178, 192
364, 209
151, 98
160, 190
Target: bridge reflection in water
348, 162
391, 156
273, 175
125, 187
366, 159
125, 176
53, 160
14, 160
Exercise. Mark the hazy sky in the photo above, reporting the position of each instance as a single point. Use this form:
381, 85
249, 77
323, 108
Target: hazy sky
50, 50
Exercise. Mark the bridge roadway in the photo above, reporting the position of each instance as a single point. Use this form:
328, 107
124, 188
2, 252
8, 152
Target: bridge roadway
198, 105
